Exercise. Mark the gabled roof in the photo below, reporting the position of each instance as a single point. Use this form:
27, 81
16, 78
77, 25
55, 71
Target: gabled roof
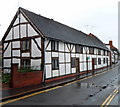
55, 30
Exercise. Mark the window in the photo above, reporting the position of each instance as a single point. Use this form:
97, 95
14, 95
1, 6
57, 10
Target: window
55, 63
107, 53
78, 49
103, 60
81, 49
103, 52
99, 51
99, 61
91, 50
95, 61
25, 63
26, 45
54, 45
73, 64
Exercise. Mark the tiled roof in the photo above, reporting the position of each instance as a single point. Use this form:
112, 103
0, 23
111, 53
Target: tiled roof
55, 30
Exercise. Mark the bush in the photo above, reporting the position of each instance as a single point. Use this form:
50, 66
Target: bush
23, 70
6, 78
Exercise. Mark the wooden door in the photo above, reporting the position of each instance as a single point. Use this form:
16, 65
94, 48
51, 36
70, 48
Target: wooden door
107, 61
93, 65
77, 67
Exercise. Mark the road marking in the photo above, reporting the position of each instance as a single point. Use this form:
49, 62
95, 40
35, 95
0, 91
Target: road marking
36, 93
20, 98
110, 97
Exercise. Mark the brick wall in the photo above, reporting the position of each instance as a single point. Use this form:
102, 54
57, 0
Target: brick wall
19, 80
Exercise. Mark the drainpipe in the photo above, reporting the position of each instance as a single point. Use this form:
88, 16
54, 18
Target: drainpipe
43, 59
86, 62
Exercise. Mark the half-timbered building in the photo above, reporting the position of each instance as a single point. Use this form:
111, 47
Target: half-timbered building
114, 52
55, 48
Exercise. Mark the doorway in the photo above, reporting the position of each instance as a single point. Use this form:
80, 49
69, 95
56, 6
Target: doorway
93, 66
77, 68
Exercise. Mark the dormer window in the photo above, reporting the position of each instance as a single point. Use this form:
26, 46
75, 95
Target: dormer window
54, 45
78, 49
99, 51
91, 50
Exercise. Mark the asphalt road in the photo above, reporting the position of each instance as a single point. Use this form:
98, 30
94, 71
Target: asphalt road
91, 91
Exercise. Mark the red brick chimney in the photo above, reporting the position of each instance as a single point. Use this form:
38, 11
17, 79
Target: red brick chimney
111, 43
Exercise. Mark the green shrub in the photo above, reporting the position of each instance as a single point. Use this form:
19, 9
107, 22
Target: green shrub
6, 78
23, 70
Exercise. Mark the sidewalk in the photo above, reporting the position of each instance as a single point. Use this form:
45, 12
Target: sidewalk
12, 93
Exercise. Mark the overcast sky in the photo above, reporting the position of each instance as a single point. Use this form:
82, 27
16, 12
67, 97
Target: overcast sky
99, 17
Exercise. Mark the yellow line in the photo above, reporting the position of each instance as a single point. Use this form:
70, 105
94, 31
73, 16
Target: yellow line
29, 95
108, 98
20, 98
111, 98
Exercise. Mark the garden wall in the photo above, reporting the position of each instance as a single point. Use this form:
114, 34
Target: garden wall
19, 79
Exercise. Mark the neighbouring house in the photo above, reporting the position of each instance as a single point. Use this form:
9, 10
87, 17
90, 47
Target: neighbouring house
58, 50
0, 55
114, 52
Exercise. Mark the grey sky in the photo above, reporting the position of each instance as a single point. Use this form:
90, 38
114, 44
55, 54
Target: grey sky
99, 17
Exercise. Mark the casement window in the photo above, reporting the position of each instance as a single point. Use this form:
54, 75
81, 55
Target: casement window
55, 63
73, 62
78, 49
107, 53
26, 45
25, 63
54, 45
99, 51
103, 60
81, 49
95, 61
99, 61
91, 50
103, 52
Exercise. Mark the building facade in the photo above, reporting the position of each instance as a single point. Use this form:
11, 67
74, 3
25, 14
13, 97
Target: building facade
57, 49
114, 52
0, 55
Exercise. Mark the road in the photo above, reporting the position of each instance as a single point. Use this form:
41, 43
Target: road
89, 91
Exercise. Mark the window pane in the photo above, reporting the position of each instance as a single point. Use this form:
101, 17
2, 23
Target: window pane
99, 60
52, 45
25, 63
73, 62
55, 63
26, 45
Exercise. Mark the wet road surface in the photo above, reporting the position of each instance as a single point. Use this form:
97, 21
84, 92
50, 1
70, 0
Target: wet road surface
91, 91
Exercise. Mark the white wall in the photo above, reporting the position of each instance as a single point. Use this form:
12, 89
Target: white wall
65, 59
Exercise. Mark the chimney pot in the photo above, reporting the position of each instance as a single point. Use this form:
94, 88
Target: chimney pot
111, 43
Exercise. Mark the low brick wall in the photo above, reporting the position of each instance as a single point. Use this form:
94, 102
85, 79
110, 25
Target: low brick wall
19, 80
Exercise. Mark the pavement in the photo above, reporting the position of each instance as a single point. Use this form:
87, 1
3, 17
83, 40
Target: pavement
10, 93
